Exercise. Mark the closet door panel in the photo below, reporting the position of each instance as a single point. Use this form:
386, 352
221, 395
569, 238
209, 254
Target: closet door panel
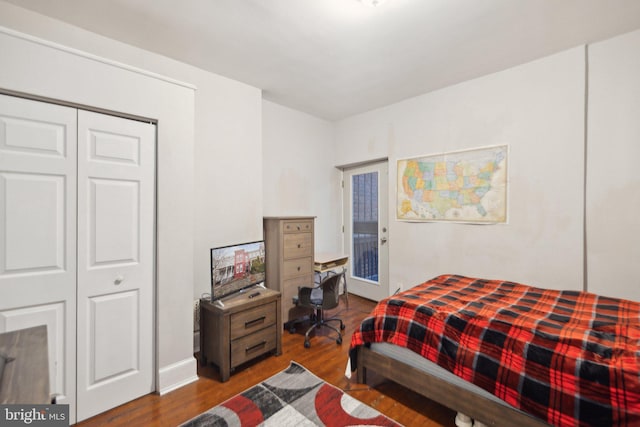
119, 356
113, 222
38, 230
115, 261
34, 218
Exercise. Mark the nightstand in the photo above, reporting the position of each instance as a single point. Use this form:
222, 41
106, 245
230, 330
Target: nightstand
240, 329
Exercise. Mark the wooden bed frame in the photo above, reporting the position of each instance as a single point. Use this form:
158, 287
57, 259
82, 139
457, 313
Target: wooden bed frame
450, 395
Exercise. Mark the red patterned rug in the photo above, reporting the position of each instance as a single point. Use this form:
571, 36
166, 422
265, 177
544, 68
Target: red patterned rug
293, 397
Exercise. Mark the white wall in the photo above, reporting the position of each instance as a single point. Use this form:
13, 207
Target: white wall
613, 165
228, 169
299, 174
198, 133
538, 110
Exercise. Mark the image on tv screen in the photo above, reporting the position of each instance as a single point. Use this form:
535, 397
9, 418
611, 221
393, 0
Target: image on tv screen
236, 267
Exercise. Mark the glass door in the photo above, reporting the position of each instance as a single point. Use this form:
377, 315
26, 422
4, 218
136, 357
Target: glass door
365, 230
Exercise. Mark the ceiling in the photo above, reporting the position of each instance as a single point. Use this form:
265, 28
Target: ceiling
336, 58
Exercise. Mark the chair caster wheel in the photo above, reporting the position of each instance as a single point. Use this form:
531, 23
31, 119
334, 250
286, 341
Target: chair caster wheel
342, 326
339, 340
292, 330
307, 344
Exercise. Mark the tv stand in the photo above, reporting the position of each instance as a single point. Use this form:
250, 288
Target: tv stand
240, 329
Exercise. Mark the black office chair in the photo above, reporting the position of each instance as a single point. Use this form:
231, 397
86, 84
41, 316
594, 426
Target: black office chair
323, 297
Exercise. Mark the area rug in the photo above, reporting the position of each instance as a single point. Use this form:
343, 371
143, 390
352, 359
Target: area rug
293, 397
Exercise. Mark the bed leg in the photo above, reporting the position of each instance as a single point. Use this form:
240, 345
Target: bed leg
361, 370
362, 375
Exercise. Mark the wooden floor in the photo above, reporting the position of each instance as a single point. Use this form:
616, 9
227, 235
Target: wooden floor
325, 359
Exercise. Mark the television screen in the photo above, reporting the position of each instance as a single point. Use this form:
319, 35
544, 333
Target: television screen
236, 267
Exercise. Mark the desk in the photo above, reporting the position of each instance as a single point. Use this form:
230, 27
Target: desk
324, 262
26, 376
327, 262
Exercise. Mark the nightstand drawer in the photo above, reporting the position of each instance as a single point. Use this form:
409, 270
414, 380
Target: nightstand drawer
253, 345
249, 321
297, 267
297, 245
297, 226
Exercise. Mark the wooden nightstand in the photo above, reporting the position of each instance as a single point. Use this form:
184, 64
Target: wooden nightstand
240, 329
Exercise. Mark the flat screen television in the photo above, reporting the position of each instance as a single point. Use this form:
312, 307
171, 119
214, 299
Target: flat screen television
236, 267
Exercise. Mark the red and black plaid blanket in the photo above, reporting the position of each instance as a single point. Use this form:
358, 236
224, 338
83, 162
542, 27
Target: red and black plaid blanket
566, 357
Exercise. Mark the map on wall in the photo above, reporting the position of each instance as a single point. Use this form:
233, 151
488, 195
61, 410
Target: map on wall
461, 186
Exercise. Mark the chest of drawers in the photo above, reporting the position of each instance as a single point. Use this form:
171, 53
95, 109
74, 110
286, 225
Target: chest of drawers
289, 244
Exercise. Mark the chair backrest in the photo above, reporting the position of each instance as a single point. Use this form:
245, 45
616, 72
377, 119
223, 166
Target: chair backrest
331, 291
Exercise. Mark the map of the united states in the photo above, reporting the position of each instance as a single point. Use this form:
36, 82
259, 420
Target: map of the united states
462, 186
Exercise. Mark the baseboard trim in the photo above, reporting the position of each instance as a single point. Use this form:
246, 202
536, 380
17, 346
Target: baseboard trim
177, 375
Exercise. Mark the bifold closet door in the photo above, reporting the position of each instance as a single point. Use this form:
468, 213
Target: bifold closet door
116, 191
38, 230
77, 200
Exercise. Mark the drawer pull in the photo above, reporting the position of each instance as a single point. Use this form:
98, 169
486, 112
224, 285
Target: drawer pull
299, 245
298, 268
260, 345
254, 322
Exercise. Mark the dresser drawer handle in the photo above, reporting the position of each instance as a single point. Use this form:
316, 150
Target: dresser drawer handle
298, 268
254, 322
299, 245
255, 347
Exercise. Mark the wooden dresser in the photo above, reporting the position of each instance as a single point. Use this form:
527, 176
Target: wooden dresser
289, 243
243, 327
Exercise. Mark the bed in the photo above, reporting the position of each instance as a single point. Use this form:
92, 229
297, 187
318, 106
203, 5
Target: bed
505, 353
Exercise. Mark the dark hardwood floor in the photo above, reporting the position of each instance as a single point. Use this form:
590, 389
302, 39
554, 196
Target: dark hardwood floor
325, 359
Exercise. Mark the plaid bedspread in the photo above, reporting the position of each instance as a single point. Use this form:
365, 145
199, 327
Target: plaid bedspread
566, 357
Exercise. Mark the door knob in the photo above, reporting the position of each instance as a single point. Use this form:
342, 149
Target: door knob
383, 240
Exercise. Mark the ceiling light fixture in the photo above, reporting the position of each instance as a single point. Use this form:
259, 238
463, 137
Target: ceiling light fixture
372, 3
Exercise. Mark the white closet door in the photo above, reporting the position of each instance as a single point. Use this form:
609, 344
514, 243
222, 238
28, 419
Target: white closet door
38, 230
116, 190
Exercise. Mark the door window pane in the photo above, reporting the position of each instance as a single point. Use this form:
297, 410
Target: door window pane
365, 226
